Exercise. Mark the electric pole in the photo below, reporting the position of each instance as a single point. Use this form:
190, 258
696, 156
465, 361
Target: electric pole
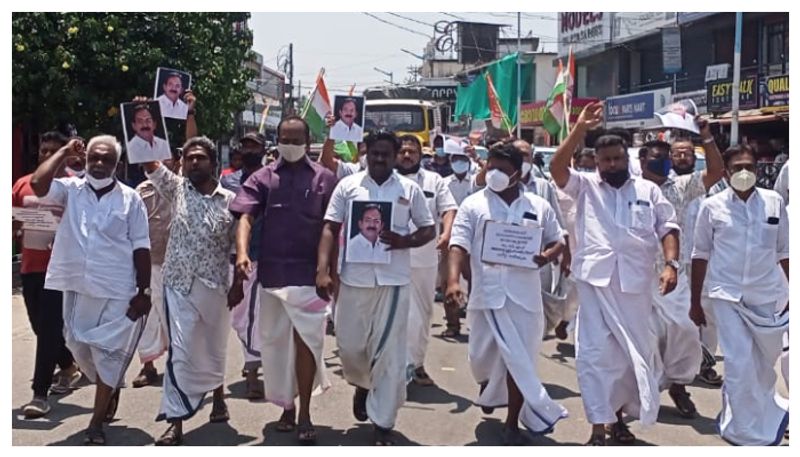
387, 73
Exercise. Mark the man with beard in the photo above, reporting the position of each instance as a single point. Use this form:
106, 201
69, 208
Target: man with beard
620, 221
101, 263
424, 259
170, 102
678, 341
372, 311
145, 144
196, 279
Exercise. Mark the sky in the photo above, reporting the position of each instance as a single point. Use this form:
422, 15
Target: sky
350, 45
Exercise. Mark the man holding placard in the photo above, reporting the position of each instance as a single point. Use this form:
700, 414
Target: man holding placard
621, 221
503, 229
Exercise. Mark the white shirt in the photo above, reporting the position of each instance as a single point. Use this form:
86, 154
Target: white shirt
408, 204
742, 247
620, 228
344, 169
93, 249
492, 283
177, 110
545, 189
140, 150
362, 250
460, 189
782, 183
340, 131
439, 200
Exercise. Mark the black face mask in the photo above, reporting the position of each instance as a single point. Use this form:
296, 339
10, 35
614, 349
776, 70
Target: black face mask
615, 178
683, 170
251, 160
659, 167
409, 171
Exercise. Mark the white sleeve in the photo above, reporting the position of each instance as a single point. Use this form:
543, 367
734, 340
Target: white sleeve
444, 198
420, 214
463, 228
703, 233
337, 206
574, 183
138, 227
782, 183
552, 228
57, 194
783, 234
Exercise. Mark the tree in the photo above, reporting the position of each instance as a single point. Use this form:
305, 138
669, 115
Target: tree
78, 67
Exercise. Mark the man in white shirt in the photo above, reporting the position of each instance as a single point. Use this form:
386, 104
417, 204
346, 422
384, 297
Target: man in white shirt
101, 263
145, 146
346, 128
782, 183
505, 306
741, 235
424, 259
366, 247
171, 104
372, 311
621, 221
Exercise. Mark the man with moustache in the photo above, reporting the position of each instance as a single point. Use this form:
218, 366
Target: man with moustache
145, 144
346, 127
171, 104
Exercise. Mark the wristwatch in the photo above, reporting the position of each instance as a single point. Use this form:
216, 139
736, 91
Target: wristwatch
144, 291
674, 264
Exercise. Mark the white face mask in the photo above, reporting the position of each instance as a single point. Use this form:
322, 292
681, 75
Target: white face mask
362, 161
460, 167
497, 181
291, 152
526, 168
98, 184
743, 180
78, 173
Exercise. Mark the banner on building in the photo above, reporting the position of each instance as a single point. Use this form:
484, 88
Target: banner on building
583, 31
720, 94
671, 46
632, 25
533, 113
636, 110
775, 93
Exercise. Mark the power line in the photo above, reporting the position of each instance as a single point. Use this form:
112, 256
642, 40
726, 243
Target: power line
410, 19
453, 15
396, 25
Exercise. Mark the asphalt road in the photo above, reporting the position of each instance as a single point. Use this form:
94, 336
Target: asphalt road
438, 415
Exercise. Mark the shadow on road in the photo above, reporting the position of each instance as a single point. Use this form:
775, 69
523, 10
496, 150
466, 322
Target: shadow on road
221, 434
116, 435
701, 424
557, 392
490, 433
359, 435
434, 394
58, 413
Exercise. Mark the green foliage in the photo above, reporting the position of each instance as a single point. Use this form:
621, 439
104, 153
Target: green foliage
78, 67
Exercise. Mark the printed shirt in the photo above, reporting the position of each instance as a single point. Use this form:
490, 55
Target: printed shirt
408, 205
743, 241
620, 228
93, 249
492, 283
201, 234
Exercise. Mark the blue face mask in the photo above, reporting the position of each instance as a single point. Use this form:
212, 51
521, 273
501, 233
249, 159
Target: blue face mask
661, 167
439, 152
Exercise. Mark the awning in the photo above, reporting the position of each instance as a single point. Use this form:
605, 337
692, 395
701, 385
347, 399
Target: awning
753, 116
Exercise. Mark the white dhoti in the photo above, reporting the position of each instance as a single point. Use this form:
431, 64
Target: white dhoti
751, 337
785, 360
100, 336
559, 297
198, 329
614, 354
154, 341
371, 334
420, 313
677, 342
245, 318
506, 341
285, 311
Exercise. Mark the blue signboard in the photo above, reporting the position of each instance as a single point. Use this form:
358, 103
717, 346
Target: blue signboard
630, 107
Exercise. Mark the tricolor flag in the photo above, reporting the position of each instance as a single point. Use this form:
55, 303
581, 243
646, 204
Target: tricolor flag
317, 107
555, 112
499, 118
570, 92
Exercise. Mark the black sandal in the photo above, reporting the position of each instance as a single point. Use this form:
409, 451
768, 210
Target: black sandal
112, 407
597, 440
219, 416
306, 433
286, 422
451, 332
360, 404
383, 436
170, 438
621, 433
94, 437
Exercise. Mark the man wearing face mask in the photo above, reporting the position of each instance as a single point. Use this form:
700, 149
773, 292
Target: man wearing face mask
505, 306
440, 163
373, 299
289, 197
154, 341
679, 351
741, 234
620, 221
196, 279
424, 259
101, 263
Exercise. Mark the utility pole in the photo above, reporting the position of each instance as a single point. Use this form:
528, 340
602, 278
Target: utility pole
519, 76
291, 79
387, 73
737, 68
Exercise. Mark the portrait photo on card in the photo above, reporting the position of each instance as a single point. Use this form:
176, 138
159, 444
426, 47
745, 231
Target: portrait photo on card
349, 114
367, 220
171, 85
145, 132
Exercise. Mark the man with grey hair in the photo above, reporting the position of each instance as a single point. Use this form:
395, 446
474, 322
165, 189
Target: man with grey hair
101, 263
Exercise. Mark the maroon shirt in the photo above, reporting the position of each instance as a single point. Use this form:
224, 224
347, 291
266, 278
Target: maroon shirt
292, 198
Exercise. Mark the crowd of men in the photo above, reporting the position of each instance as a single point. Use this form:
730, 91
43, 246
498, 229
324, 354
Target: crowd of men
651, 271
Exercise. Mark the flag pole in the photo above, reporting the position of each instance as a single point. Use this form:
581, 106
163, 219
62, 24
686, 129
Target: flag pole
519, 77
313, 92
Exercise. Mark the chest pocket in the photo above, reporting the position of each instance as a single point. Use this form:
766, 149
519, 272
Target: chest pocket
401, 215
642, 218
113, 225
768, 225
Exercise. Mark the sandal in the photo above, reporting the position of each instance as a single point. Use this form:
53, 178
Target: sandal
621, 433
94, 437
306, 433
383, 436
683, 403
360, 404
219, 415
286, 422
451, 332
112, 407
170, 438
597, 440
